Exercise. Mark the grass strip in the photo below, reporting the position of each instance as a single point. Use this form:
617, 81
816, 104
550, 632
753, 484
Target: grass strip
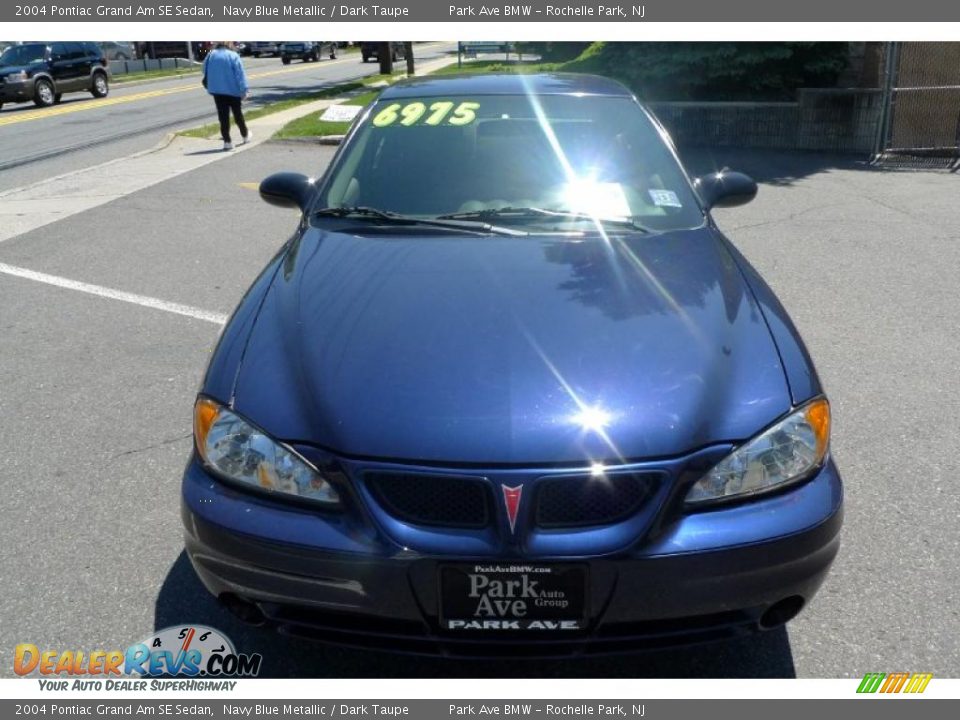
312, 126
205, 131
498, 66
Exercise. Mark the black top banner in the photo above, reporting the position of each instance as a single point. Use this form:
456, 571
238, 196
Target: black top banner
470, 11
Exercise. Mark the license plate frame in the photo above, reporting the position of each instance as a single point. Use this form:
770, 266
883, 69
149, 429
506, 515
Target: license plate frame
554, 597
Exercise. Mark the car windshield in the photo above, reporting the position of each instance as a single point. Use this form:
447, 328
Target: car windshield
549, 160
23, 54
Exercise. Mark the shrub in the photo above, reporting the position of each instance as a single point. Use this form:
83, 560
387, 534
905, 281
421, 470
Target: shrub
715, 70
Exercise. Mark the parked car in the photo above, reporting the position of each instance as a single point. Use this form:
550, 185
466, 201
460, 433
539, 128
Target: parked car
202, 48
307, 51
118, 50
532, 398
264, 48
158, 50
43, 72
371, 50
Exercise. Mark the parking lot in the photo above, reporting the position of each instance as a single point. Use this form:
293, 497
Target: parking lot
96, 396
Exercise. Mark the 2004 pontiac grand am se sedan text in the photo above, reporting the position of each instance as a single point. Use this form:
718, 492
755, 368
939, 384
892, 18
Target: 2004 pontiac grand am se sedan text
508, 389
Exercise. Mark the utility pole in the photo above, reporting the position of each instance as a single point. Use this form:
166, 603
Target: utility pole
408, 53
385, 56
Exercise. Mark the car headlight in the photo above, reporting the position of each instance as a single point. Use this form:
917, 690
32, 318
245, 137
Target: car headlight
244, 453
16, 77
783, 453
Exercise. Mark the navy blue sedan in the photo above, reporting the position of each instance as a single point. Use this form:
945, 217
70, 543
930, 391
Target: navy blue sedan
508, 389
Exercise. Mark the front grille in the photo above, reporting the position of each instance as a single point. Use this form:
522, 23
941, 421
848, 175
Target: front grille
583, 500
437, 500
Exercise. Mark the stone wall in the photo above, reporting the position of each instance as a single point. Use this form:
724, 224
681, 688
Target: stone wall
830, 120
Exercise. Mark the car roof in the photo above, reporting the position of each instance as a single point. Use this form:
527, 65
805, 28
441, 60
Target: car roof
506, 84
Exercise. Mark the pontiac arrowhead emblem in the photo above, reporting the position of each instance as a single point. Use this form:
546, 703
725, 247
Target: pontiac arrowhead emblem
511, 499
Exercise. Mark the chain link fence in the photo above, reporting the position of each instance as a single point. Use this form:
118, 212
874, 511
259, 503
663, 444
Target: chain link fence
921, 106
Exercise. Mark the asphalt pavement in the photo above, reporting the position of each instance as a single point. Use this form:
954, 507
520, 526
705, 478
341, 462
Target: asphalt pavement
96, 397
36, 143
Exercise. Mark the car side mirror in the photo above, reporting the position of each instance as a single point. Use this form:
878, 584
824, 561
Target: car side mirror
725, 189
287, 189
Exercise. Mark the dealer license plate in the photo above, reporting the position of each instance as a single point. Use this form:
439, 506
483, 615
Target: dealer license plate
511, 597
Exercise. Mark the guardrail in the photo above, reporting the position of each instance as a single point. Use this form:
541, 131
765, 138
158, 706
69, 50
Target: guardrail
125, 67
471, 49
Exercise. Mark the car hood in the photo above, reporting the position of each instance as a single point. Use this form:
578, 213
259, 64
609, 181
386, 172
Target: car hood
479, 349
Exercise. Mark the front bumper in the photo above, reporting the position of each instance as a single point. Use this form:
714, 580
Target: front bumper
16, 92
697, 577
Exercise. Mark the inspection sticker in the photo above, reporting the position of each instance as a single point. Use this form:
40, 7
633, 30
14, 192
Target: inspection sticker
665, 198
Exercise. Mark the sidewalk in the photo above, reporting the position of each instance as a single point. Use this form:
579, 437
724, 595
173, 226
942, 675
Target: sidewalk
27, 208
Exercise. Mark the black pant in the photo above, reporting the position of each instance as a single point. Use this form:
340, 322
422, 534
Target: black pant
226, 103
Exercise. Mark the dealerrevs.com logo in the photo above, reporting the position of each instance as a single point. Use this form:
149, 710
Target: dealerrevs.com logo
186, 651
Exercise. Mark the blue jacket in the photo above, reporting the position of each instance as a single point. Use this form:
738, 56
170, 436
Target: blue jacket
224, 72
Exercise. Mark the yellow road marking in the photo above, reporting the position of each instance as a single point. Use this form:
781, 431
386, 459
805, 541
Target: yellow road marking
249, 185
105, 102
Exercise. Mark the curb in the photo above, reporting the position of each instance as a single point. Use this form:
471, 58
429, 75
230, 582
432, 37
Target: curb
320, 140
163, 144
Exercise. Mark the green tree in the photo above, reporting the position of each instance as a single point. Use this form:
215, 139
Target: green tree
715, 70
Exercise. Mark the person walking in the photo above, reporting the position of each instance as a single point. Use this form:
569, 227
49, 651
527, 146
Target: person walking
225, 79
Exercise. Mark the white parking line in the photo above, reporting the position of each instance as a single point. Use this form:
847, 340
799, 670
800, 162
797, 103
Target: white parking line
100, 291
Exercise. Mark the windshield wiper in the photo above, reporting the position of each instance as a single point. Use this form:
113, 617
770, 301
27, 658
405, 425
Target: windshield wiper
387, 216
527, 213
357, 210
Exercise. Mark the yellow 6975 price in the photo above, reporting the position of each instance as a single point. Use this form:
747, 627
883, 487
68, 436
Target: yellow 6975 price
437, 113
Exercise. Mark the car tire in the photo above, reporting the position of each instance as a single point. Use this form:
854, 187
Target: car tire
101, 86
285, 61
366, 58
333, 54
43, 93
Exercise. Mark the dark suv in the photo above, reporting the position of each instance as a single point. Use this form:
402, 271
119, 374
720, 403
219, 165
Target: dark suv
307, 51
42, 72
370, 50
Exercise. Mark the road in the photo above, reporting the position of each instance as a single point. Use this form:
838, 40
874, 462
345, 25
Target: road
39, 142
96, 397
